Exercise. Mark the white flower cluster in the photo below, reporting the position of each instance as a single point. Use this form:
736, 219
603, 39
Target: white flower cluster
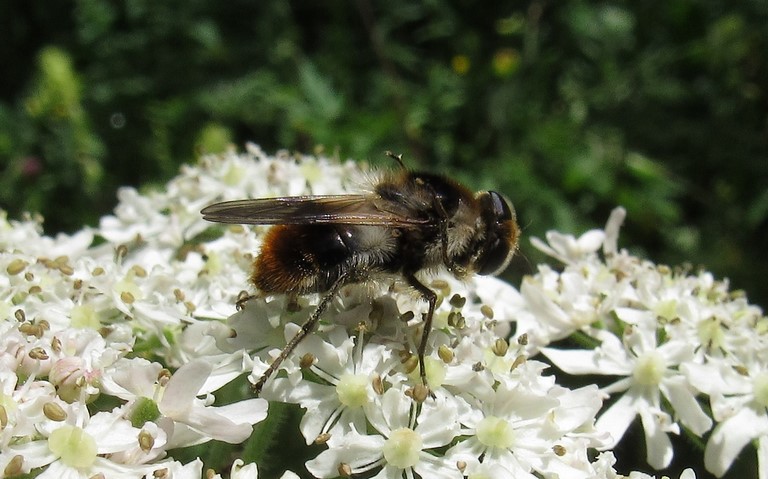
673, 338
115, 339
91, 325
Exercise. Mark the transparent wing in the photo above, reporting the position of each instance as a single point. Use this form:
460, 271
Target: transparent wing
339, 209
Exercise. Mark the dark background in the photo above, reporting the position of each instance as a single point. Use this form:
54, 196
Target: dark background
569, 107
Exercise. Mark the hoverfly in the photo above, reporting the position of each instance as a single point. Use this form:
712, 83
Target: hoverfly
409, 222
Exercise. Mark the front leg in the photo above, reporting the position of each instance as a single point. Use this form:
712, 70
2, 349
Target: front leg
431, 298
457, 270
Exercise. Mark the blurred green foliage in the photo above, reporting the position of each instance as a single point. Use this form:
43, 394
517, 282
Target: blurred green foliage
569, 107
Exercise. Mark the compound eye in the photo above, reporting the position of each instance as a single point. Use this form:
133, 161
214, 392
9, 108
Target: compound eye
494, 258
501, 207
501, 236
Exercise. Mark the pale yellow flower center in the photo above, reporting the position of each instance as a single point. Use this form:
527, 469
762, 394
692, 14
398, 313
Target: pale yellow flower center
402, 448
435, 369
711, 333
352, 389
75, 447
649, 368
495, 432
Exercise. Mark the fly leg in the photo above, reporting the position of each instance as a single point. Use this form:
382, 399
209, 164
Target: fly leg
306, 328
431, 298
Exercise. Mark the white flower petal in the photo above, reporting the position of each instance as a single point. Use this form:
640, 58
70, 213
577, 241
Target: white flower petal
612, 227
359, 451
658, 446
590, 241
247, 411
213, 425
430, 466
183, 387
689, 474
686, 407
716, 377
577, 407
762, 457
191, 470
579, 361
730, 437
131, 377
545, 248
391, 472
394, 412
617, 418
438, 423
113, 432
